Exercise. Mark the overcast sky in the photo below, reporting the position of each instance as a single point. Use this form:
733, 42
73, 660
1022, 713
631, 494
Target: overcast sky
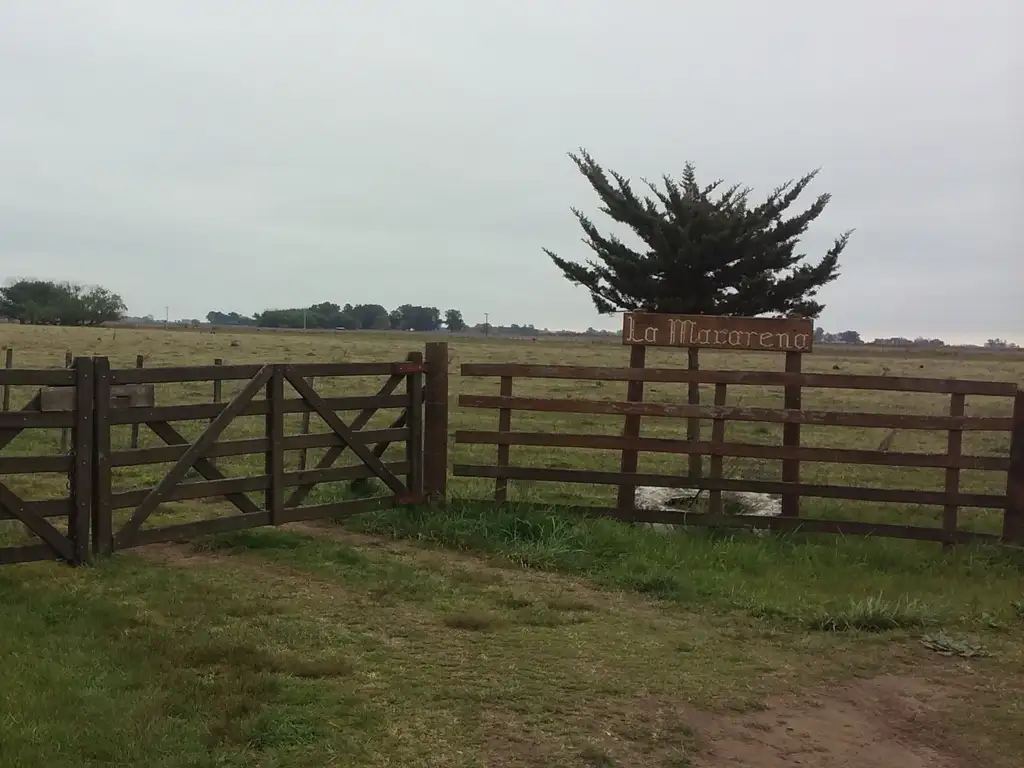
252, 154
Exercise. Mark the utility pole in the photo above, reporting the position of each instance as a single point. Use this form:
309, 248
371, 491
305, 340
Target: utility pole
167, 316
303, 319
487, 324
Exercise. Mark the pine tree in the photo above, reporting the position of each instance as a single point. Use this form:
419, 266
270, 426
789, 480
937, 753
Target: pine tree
707, 250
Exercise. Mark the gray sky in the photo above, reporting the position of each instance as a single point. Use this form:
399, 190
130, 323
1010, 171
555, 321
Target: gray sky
249, 154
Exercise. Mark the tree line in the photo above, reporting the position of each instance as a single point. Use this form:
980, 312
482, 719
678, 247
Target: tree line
46, 302
328, 315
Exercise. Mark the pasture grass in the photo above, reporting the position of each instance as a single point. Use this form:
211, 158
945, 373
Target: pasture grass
480, 636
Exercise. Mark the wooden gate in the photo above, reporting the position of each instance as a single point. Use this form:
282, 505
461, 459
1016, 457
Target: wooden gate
36, 424
203, 450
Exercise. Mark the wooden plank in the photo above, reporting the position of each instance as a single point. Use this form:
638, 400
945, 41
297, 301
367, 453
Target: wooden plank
738, 413
175, 375
414, 419
165, 454
238, 403
204, 411
80, 481
203, 465
102, 511
186, 531
121, 396
715, 506
779, 524
392, 368
24, 419
16, 508
504, 425
345, 432
545, 474
26, 553
745, 378
36, 377
335, 474
159, 375
29, 465
304, 428
629, 460
759, 334
140, 362
361, 420
43, 508
743, 450
8, 365
338, 510
954, 448
273, 459
435, 422
1013, 514
791, 437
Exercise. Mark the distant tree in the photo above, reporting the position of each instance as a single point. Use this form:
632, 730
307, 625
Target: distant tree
849, 337
453, 321
705, 251
51, 303
368, 316
1000, 344
229, 318
409, 317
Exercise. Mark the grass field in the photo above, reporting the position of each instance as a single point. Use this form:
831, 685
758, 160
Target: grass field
476, 637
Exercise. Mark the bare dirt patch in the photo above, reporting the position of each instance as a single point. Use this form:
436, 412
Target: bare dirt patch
888, 721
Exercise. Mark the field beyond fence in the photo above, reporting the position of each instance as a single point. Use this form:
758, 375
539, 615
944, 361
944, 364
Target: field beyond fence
106, 454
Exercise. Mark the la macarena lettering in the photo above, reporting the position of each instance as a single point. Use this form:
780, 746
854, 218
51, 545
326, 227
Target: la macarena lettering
757, 334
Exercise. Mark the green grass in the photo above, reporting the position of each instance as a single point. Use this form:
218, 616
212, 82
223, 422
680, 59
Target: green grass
816, 582
321, 645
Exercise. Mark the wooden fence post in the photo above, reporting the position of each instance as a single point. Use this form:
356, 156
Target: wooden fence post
954, 448
414, 421
631, 428
102, 515
715, 506
791, 437
217, 394
696, 461
304, 430
435, 422
504, 449
140, 360
8, 364
69, 359
273, 459
82, 466
1013, 516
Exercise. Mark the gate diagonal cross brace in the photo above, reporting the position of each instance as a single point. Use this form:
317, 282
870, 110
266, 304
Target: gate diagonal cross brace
339, 427
194, 452
335, 451
204, 467
38, 525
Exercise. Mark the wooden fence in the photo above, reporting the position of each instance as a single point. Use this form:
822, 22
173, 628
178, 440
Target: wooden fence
790, 453
94, 404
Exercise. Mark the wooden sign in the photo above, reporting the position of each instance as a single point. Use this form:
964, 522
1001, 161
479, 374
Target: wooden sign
758, 334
